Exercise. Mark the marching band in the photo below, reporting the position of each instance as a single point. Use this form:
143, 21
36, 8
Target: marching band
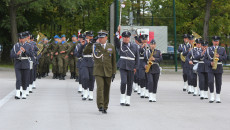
93, 58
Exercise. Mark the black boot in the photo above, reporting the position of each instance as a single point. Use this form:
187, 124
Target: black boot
60, 77
54, 76
71, 77
77, 79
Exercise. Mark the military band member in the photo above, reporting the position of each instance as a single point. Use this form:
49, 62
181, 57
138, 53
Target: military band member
104, 55
32, 62
192, 76
183, 49
142, 62
87, 68
127, 64
217, 53
154, 71
21, 52
36, 61
202, 70
81, 38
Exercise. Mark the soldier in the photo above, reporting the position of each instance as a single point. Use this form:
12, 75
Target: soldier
153, 55
43, 60
128, 63
104, 68
72, 59
218, 54
54, 57
62, 49
87, 63
192, 76
21, 52
142, 63
202, 70
183, 49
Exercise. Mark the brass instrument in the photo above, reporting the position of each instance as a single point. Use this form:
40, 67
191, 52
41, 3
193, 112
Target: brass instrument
197, 36
40, 36
149, 62
183, 58
215, 60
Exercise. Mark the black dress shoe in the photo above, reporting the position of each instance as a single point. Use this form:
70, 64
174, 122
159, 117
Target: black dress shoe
101, 109
104, 112
150, 101
30, 91
201, 98
184, 89
90, 99
218, 101
189, 93
122, 104
83, 98
142, 96
135, 91
127, 105
146, 97
211, 101
194, 95
17, 97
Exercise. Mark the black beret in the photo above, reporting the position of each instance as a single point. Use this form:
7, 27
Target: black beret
126, 34
205, 43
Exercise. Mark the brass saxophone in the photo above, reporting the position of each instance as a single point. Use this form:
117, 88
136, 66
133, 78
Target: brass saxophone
149, 63
215, 60
183, 58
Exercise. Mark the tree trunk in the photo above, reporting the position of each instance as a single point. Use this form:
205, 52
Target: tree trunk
138, 12
13, 22
206, 19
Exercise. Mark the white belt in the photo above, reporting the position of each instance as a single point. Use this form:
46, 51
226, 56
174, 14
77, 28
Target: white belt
220, 63
87, 56
127, 58
201, 62
23, 58
141, 58
195, 61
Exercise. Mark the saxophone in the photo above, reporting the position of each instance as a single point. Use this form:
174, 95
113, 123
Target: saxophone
215, 60
149, 62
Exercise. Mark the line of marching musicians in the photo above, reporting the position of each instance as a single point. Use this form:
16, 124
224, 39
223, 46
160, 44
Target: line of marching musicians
203, 63
24, 53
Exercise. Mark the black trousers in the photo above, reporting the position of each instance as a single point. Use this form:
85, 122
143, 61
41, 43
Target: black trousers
185, 74
218, 82
127, 77
153, 82
22, 78
80, 76
203, 81
88, 78
192, 78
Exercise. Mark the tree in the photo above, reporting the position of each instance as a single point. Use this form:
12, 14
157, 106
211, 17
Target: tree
206, 19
